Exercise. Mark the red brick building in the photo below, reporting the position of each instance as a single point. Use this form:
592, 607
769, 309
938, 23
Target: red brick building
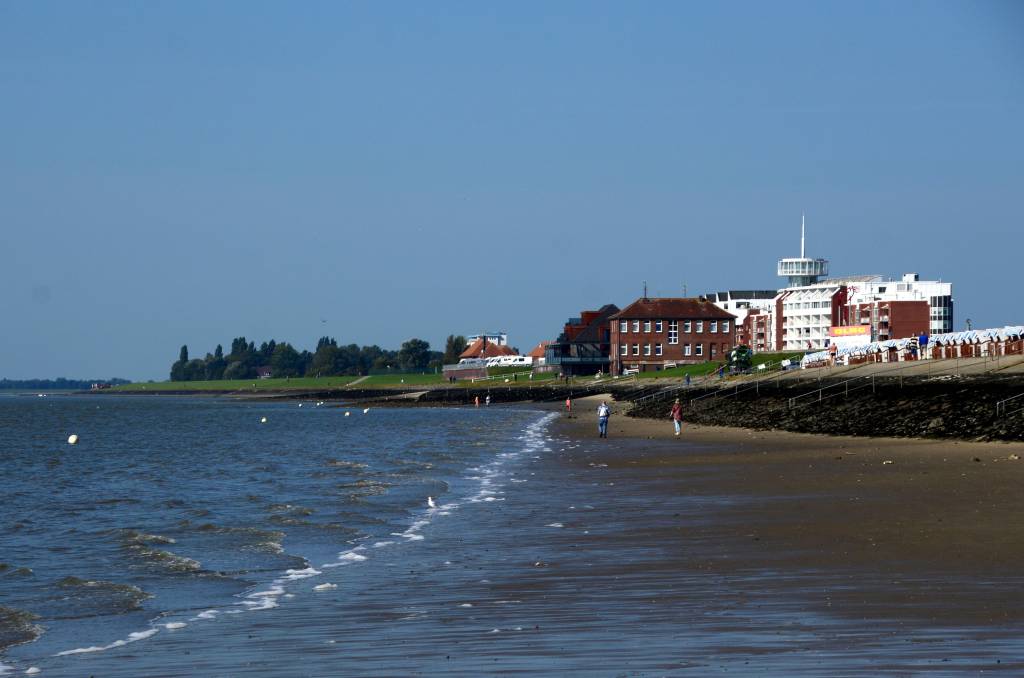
584, 345
892, 319
755, 331
651, 332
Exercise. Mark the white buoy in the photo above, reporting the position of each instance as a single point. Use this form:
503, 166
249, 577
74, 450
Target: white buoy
366, 410
73, 439
263, 420
300, 404
430, 502
347, 413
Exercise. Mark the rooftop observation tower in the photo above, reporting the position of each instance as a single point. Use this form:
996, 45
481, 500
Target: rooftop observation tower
802, 271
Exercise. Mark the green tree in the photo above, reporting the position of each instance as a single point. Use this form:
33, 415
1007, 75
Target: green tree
323, 362
195, 370
453, 348
286, 361
414, 354
178, 372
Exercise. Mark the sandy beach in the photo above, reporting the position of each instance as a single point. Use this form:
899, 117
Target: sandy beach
919, 535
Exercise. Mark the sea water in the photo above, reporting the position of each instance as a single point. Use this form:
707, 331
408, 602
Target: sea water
175, 522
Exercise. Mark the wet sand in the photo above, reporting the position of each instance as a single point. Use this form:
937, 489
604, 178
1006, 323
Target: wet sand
917, 535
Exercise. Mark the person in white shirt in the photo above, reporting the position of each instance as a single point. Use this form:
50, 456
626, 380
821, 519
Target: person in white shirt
602, 419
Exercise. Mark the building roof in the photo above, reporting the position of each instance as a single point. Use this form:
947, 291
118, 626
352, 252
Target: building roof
481, 348
742, 295
592, 333
672, 307
538, 350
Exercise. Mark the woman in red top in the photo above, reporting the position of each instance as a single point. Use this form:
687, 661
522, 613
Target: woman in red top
677, 416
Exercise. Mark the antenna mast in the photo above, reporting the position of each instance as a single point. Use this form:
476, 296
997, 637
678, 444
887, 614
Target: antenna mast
802, 256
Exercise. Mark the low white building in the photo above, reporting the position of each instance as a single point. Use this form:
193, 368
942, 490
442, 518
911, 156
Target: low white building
741, 302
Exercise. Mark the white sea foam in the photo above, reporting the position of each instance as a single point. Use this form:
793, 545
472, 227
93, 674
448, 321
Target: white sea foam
32, 670
175, 625
466, 605
208, 614
132, 637
5, 669
272, 592
325, 587
347, 558
292, 575
263, 600
382, 544
554, 525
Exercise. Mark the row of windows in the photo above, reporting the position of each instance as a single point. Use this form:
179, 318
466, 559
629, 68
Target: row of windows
624, 349
797, 305
688, 349
688, 325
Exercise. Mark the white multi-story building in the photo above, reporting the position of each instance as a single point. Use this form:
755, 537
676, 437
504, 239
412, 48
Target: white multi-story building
806, 313
499, 338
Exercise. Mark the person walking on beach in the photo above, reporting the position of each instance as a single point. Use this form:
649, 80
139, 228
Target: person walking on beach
687, 380
677, 416
568, 405
602, 419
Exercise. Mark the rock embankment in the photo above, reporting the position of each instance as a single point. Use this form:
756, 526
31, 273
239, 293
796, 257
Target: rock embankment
947, 408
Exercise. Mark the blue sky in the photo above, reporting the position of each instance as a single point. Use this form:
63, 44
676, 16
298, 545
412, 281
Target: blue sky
189, 172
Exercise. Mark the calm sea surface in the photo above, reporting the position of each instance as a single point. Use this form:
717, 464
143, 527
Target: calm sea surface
177, 527
183, 537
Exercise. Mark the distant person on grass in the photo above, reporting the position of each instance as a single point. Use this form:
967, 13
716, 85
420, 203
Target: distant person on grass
603, 413
677, 416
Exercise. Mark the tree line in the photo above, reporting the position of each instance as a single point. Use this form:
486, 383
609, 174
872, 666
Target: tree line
59, 384
245, 359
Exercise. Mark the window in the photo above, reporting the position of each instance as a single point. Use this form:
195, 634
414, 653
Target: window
686, 349
700, 325
686, 326
647, 326
673, 331
636, 349
725, 326
647, 349
623, 349
657, 349
636, 325
725, 348
699, 349
714, 326
623, 326
657, 326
